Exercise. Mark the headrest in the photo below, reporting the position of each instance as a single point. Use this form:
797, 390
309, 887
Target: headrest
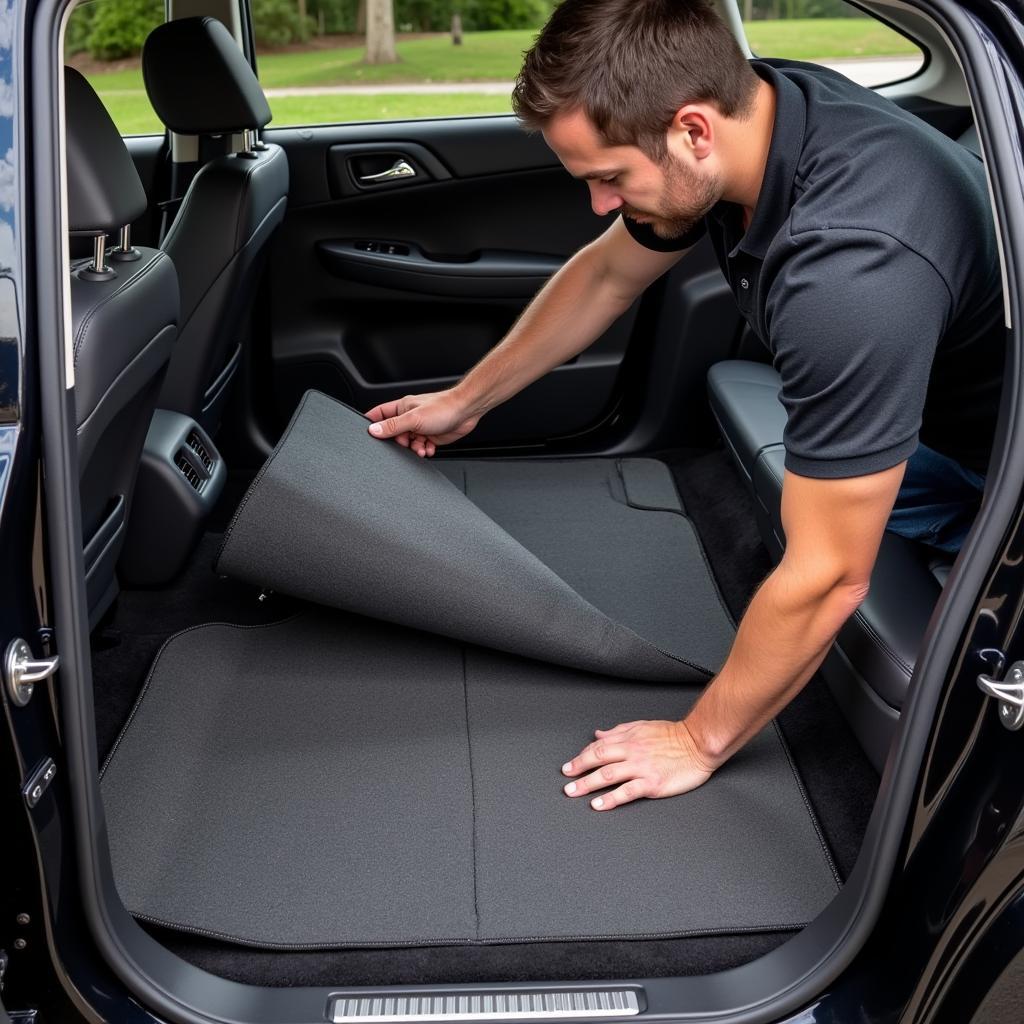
104, 190
198, 80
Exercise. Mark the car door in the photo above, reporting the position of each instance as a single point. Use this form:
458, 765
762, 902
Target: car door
410, 248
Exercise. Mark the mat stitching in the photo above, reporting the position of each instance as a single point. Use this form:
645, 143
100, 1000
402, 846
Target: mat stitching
156, 661
419, 942
472, 787
260, 474
807, 805
696, 533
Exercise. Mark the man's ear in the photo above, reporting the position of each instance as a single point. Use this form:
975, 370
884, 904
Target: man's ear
693, 130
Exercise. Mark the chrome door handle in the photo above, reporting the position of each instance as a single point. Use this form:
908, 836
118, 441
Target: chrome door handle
22, 671
399, 169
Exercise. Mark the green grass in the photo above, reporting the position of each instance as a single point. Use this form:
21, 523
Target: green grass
134, 116
494, 56
483, 56
820, 38
393, 107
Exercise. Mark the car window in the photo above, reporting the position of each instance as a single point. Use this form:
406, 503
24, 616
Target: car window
103, 40
833, 33
433, 58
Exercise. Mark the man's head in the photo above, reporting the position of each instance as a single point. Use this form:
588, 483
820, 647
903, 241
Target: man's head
630, 94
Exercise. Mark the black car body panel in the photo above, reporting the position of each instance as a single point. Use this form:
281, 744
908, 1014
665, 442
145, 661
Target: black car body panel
947, 838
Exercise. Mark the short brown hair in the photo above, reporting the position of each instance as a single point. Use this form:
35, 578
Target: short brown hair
630, 65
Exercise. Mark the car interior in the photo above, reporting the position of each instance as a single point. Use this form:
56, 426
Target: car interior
333, 685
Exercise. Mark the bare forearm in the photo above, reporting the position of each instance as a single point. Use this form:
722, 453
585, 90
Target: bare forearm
572, 310
783, 638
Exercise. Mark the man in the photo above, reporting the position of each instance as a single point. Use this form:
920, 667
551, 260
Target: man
859, 246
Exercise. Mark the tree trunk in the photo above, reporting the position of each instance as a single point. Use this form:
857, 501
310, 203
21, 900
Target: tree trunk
361, 18
380, 32
303, 14
748, 10
457, 29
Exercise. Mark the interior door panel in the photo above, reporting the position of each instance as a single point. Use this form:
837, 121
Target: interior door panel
388, 287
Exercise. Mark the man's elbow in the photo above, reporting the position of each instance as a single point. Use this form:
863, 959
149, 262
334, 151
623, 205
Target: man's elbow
850, 594
838, 586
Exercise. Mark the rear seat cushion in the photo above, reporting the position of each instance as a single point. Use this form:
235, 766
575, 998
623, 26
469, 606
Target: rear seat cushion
745, 400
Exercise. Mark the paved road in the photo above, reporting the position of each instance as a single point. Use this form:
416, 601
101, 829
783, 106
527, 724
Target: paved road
875, 71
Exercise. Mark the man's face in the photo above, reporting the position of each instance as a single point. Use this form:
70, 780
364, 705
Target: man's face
670, 196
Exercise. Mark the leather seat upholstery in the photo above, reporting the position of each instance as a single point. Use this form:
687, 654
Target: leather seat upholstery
871, 663
232, 206
124, 325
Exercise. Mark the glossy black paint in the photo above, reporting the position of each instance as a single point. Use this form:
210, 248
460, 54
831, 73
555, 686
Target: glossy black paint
954, 915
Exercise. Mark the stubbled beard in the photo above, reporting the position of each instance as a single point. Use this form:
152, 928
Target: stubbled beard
687, 198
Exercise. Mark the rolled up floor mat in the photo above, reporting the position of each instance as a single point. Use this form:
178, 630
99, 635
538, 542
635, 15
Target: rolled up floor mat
342, 519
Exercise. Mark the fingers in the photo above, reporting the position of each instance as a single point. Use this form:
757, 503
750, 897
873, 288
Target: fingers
635, 789
608, 775
385, 411
422, 446
593, 756
605, 776
615, 731
393, 426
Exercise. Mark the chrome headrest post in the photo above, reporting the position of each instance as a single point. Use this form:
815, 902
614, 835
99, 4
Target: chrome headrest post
99, 252
124, 253
98, 269
247, 151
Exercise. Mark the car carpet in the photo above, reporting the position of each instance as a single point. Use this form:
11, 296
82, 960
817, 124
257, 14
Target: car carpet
336, 781
341, 519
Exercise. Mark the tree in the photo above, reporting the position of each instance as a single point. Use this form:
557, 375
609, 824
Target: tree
380, 32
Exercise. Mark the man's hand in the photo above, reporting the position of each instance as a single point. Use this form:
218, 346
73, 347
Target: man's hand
833, 528
641, 759
422, 422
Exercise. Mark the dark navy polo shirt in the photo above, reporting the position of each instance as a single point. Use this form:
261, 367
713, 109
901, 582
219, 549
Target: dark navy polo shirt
870, 270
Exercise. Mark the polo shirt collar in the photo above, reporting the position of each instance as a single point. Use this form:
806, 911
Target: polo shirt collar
775, 198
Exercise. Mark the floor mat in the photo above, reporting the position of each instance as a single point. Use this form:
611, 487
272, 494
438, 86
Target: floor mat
335, 781
589, 564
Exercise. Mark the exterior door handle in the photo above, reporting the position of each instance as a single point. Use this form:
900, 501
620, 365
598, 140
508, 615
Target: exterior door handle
399, 169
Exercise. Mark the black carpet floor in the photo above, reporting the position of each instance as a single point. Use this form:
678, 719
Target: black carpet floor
839, 780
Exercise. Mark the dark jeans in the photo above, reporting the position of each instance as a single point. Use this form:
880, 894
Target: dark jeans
937, 501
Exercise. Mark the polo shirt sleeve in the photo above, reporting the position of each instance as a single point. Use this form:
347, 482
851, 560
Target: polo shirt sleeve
853, 319
644, 234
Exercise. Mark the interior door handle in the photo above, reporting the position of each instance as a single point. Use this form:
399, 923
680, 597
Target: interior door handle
399, 169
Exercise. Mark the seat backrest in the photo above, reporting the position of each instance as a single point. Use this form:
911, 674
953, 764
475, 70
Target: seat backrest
124, 323
969, 140
200, 84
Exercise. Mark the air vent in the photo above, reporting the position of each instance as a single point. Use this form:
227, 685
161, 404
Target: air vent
190, 473
195, 442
